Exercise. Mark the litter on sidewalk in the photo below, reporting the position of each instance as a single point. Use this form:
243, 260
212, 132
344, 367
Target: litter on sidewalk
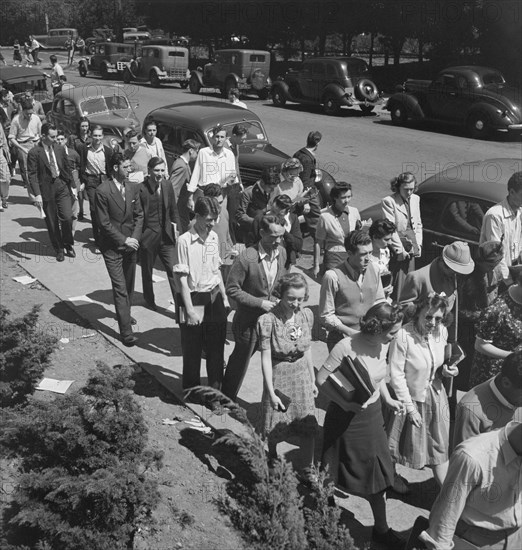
24, 279
56, 386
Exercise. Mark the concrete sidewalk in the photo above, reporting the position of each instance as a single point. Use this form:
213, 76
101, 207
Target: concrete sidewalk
84, 284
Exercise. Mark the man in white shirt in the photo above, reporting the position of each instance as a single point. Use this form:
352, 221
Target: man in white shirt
233, 98
153, 144
503, 222
481, 499
57, 75
139, 156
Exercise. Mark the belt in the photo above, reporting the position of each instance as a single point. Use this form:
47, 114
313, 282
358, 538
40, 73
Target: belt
288, 358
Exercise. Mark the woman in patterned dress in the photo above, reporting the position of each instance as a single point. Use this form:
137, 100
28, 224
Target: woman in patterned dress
499, 331
288, 403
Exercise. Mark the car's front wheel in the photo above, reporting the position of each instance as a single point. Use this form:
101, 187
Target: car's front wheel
278, 98
194, 84
478, 126
398, 114
331, 105
154, 79
82, 69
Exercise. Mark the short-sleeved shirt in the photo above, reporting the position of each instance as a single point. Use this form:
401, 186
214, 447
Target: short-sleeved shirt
333, 226
25, 130
199, 260
212, 167
56, 75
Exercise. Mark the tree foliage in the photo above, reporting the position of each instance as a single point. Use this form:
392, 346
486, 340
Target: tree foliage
24, 354
83, 464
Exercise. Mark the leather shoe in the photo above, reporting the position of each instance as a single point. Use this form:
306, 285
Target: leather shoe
69, 250
129, 341
60, 257
133, 321
391, 540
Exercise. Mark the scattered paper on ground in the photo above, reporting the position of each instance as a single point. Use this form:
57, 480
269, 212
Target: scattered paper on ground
157, 278
64, 340
79, 299
57, 386
24, 279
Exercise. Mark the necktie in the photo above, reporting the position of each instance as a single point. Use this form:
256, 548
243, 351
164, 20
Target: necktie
52, 164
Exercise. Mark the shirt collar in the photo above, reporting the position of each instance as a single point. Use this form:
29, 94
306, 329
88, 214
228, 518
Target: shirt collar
100, 147
338, 213
499, 396
507, 211
264, 254
352, 273
507, 450
194, 236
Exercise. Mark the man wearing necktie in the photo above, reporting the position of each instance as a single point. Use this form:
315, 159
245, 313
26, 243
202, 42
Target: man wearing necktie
50, 188
159, 216
120, 219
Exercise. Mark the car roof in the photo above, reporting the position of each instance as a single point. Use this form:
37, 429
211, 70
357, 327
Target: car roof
242, 50
480, 70
89, 91
208, 113
165, 47
482, 179
344, 59
10, 74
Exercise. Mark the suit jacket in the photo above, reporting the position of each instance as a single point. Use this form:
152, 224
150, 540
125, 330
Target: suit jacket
170, 212
247, 285
179, 175
118, 218
394, 210
83, 149
252, 202
39, 170
309, 162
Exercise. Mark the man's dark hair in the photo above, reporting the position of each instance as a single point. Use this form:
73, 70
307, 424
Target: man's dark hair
154, 161
218, 129
284, 202
313, 138
268, 219
271, 175
190, 144
96, 127
53, 59
512, 368
207, 205
212, 190
150, 123
131, 134
339, 189
117, 159
47, 127
356, 238
26, 103
515, 182
239, 130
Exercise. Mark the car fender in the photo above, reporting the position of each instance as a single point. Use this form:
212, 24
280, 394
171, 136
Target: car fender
157, 70
234, 77
199, 76
492, 111
334, 89
410, 102
282, 87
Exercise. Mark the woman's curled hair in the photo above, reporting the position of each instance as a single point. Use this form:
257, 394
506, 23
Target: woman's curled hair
380, 318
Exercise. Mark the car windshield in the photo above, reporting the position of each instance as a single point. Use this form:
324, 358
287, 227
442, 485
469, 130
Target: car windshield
493, 78
104, 104
255, 130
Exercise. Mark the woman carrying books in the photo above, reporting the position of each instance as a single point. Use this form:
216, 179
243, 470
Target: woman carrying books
288, 403
355, 446
417, 364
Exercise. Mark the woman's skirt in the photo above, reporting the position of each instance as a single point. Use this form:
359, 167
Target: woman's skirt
355, 448
293, 380
427, 445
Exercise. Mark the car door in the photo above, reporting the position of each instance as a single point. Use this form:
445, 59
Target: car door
443, 97
306, 82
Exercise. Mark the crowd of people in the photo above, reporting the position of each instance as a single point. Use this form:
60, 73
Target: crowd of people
224, 246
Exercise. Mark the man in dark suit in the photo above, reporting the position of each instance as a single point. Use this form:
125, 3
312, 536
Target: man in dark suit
158, 238
50, 184
251, 283
95, 168
180, 174
120, 218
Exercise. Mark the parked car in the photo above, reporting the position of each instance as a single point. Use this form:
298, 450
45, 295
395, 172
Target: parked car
476, 98
159, 65
247, 70
57, 38
332, 82
195, 120
21, 79
105, 105
110, 58
102, 34
472, 187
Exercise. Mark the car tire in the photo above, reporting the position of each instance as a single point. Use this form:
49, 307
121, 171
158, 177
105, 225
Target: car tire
278, 98
398, 114
194, 84
127, 77
365, 89
184, 85
82, 69
367, 109
478, 126
92, 49
331, 105
154, 79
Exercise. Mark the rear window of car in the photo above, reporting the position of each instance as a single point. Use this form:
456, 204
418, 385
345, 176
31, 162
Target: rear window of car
493, 78
255, 130
176, 54
355, 67
256, 58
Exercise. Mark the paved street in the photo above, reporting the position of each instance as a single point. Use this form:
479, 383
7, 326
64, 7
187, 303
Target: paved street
366, 151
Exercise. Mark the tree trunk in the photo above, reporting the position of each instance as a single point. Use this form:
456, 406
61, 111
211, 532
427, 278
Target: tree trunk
322, 42
372, 39
397, 45
420, 57
303, 48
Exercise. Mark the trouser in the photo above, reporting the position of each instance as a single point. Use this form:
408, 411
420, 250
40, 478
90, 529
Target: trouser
21, 155
91, 184
75, 212
209, 335
58, 216
245, 344
5, 177
233, 195
154, 245
121, 266
35, 55
485, 539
